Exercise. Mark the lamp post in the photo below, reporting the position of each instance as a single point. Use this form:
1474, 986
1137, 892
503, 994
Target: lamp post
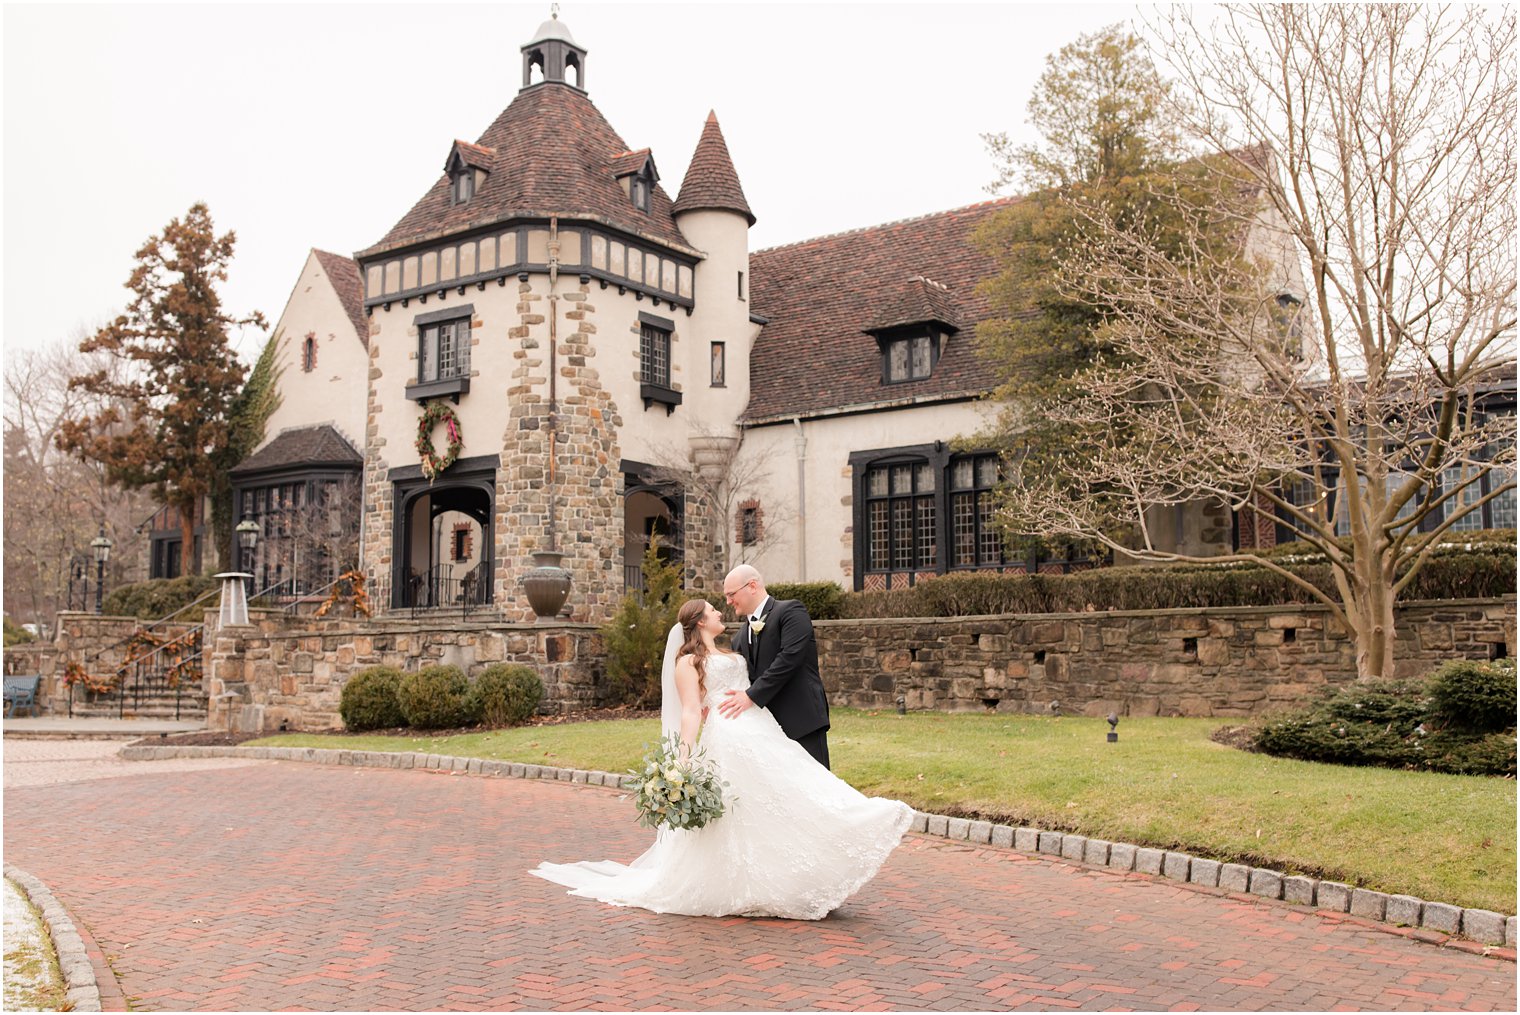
101, 544
248, 540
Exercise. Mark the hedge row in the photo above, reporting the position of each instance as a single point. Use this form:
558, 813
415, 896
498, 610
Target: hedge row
1469, 575
1462, 721
439, 697
159, 597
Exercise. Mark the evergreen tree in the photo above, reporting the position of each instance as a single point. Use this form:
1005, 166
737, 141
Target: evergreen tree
1110, 150
169, 422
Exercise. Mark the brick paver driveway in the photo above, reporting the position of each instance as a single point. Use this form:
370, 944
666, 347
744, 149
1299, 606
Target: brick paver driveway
287, 885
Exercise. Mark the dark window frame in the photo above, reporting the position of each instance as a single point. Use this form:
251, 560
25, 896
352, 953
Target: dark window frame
719, 366
462, 186
459, 323
979, 495
891, 340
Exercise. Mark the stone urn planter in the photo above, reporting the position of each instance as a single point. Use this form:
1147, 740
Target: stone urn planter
547, 585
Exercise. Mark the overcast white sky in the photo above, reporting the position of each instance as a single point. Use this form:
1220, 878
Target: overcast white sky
321, 125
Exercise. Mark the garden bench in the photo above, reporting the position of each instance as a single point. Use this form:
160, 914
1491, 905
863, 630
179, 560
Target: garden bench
21, 692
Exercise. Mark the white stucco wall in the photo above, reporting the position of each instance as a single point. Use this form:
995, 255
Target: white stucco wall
820, 545
334, 392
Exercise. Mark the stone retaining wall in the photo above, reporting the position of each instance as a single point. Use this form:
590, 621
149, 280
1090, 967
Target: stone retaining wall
288, 673
1200, 662
95, 642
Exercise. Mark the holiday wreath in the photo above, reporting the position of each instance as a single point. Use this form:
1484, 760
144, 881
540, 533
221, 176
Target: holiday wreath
433, 413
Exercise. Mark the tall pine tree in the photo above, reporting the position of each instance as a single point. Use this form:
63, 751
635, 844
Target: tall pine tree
169, 427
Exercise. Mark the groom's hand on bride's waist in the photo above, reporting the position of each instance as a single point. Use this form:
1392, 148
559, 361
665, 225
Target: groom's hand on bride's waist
733, 704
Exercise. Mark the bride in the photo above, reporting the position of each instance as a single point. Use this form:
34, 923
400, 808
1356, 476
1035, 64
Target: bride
794, 840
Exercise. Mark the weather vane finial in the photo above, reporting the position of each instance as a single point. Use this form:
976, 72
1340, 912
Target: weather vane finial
554, 11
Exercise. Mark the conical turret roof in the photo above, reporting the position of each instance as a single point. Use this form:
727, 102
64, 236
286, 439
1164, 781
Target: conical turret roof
711, 181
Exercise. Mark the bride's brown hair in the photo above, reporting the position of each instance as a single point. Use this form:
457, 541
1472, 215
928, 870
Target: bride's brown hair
688, 616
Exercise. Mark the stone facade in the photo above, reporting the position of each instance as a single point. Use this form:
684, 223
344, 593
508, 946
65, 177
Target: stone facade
285, 673
1205, 662
95, 642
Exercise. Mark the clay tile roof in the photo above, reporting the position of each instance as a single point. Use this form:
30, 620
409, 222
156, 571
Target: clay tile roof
343, 273
474, 155
303, 446
821, 295
711, 181
629, 162
917, 300
552, 151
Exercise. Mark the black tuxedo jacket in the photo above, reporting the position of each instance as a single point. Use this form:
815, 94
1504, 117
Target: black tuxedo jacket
783, 667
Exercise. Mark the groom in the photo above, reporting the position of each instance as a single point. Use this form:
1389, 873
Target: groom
776, 636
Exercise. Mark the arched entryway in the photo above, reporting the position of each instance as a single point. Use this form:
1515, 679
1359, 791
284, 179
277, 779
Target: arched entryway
651, 512
444, 545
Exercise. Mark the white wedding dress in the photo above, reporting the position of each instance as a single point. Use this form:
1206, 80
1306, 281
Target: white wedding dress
794, 840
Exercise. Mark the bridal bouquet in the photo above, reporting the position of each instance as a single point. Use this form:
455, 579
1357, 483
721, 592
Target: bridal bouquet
671, 793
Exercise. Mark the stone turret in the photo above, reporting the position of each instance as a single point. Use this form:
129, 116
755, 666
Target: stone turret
714, 216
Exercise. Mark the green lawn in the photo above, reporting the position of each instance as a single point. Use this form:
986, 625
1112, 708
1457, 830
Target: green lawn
1446, 838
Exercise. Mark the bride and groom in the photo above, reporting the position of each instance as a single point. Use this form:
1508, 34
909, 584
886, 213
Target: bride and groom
794, 840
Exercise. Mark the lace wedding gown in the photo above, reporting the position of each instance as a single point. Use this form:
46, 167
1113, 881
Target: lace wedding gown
794, 840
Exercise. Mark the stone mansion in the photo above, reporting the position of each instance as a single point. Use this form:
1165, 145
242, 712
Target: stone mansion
595, 340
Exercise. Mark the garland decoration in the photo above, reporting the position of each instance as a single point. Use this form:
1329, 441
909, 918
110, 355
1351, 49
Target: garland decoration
435, 412
356, 596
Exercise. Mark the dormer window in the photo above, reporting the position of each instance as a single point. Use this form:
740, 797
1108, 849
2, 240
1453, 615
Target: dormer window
909, 357
464, 184
637, 176
467, 166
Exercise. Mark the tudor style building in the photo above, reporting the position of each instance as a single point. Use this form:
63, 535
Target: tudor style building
594, 339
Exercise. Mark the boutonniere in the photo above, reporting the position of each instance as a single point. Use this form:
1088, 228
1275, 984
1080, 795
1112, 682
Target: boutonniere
756, 626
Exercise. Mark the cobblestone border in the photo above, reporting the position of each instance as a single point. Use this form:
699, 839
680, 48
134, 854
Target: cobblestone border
1432, 922
73, 961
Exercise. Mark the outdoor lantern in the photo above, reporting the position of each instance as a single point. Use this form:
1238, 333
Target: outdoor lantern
1113, 727
248, 533
101, 544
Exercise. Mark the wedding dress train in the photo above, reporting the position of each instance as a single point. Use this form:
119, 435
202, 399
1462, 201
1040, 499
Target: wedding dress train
794, 840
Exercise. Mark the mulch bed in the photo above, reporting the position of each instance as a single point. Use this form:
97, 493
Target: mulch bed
208, 739
1242, 738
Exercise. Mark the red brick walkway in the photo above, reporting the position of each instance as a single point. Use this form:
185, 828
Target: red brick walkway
288, 885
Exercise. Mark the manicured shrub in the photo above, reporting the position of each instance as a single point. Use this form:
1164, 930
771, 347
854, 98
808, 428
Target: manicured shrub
1492, 754
437, 697
822, 599
1443, 724
508, 694
1476, 697
369, 701
160, 597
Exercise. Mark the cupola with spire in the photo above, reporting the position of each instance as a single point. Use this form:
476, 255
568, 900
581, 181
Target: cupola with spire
554, 52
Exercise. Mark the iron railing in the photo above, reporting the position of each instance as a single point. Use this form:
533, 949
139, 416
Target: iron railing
435, 590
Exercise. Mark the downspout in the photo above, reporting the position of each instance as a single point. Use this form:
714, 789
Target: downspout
801, 445
551, 422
